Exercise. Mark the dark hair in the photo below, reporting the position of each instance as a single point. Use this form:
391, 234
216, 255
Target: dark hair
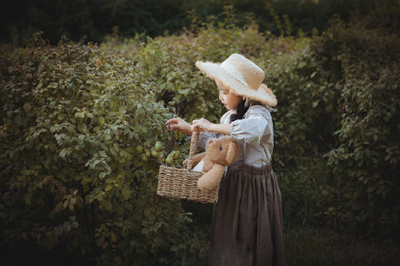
240, 111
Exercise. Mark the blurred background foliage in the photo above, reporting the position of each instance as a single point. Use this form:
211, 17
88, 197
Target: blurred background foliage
82, 126
92, 20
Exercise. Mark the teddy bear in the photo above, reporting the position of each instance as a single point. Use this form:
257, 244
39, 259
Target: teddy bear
220, 152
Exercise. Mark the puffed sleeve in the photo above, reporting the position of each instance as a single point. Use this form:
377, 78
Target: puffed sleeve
205, 136
253, 127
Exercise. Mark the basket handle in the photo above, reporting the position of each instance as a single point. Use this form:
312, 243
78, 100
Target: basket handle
193, 148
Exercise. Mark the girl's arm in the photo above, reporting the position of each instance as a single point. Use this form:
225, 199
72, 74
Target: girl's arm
205, 125
180, 125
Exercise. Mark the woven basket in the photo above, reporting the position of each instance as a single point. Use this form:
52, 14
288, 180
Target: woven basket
181, 183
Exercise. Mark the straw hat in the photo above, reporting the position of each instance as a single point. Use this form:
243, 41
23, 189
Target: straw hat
242, 77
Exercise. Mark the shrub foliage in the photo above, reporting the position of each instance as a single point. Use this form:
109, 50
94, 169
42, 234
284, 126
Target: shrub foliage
79, 129
337, 127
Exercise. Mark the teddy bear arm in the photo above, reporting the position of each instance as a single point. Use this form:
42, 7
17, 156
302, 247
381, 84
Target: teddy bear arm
195, 159
208, 164
212, 178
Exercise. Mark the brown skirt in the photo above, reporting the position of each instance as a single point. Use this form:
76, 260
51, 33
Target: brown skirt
247, 220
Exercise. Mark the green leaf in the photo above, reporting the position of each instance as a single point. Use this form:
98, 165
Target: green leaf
27, 107
126, 192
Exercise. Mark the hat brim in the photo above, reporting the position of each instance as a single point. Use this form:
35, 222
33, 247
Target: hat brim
214, 71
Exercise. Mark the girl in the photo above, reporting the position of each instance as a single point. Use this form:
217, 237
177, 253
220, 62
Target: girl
247, 219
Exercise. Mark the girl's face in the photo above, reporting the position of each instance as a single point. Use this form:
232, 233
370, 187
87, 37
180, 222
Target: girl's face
229, 100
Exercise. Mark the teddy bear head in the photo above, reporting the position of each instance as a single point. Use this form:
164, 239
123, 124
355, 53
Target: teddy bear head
223, 151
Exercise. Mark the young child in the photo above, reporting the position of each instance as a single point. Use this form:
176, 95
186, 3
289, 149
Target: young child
247, 219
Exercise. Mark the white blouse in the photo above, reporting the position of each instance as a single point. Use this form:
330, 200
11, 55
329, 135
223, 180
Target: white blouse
255, 135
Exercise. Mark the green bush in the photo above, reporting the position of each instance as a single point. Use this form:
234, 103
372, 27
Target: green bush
79, 160
366, 158
336, 126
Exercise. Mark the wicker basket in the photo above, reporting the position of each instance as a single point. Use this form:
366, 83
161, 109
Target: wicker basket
181, 183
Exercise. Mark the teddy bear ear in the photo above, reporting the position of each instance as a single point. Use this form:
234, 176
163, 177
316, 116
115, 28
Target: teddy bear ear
233, 151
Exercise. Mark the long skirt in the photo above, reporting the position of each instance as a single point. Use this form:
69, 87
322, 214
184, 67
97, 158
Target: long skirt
247, 219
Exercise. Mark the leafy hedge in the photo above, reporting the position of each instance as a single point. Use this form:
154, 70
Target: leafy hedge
78, 149
337, 126
367, 154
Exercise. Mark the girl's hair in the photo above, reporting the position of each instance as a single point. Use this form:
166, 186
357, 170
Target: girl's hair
240, 111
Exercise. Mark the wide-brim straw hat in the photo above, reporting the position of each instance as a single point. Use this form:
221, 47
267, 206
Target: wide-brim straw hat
242, 77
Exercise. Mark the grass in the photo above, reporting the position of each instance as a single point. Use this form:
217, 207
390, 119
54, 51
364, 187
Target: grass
303, 246
310, 246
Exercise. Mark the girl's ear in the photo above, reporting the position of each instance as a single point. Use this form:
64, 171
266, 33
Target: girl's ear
233, 151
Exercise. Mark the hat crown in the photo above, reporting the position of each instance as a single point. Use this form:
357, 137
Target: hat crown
244, 70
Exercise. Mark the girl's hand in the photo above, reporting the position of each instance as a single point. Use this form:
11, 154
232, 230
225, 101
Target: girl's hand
202, 125
180, 125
